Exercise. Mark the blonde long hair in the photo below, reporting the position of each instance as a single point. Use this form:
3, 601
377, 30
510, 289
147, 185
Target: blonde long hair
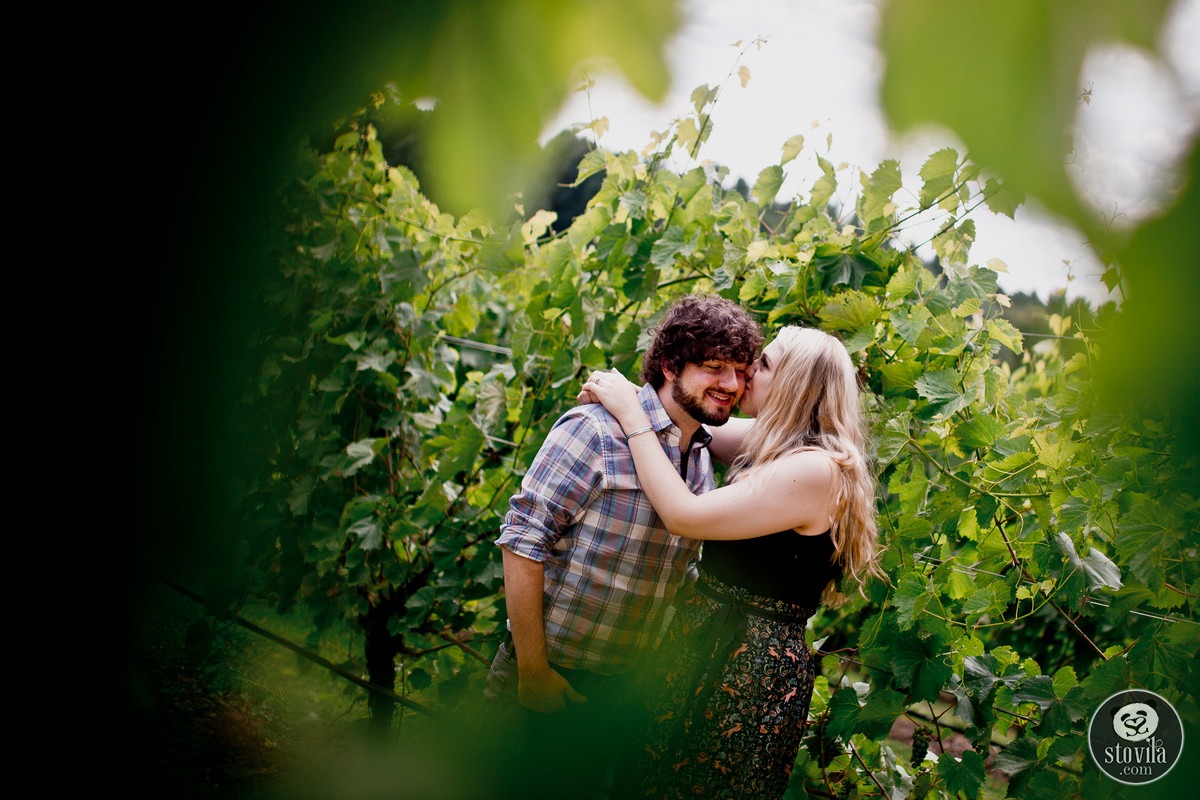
812, 403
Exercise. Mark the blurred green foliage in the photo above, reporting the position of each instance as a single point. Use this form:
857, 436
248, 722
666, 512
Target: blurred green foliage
1006, 78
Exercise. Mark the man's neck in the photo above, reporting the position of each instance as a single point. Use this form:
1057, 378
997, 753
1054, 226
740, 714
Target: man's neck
687, 424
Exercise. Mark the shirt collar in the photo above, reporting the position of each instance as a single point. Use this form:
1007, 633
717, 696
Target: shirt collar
661, 420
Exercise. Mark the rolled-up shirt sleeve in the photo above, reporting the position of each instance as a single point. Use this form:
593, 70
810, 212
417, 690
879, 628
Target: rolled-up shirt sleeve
566, 475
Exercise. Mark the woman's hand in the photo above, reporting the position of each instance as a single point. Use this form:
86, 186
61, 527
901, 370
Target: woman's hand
618, 395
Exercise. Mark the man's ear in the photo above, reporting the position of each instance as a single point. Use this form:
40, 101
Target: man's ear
669, 373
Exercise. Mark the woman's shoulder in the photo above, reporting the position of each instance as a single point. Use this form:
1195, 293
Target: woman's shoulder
810, 464
808, 473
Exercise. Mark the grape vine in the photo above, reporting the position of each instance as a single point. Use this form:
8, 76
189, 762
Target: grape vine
1040, 545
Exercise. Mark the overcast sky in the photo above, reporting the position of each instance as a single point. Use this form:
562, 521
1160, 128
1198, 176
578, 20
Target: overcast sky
817, 73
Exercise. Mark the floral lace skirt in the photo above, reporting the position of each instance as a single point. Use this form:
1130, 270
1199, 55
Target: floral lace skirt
729, 698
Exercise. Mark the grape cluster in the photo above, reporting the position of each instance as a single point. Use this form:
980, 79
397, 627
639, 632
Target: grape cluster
920, 746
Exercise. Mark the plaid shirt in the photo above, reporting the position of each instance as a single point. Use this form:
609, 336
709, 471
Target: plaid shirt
611, 567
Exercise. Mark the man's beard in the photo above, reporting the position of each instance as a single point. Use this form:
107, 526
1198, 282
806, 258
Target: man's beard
694, 406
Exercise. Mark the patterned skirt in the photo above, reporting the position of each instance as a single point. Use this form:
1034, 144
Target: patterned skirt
729, 699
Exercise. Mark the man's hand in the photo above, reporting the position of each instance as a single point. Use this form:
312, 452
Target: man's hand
546, 691
539, 688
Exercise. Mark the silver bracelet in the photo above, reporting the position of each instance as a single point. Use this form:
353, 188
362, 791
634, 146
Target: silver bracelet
646, 429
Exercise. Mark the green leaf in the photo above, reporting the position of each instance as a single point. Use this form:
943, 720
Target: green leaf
1018, 756
753, 285
879, 713
990, 600
919, 665
463, 319
1062, 715
937, 174
1002, 200
377, 357
877, 192
981, 674
588, 225
940, 386
767, 186
1111, 278
634, 203
904, 282
913, 593
402, 277
872, 718
910, 321
702, 95
825, 186
298, 498
975, 282
838, 268
536, 226
850, 311
792, 148
670, 245
843, 713
859, 340
688, 135
985, 508
1004, 332
457, 453
361, 453
501, 251
368, 533
419, 605
963, 776
1038, 690
1016, 93
690, 184
1009, 467
967, 308
941, 389
516, 82
900, 377
420, 679
980, 431
1106, 679
892, 440
1145, 541
953, 245
491, 404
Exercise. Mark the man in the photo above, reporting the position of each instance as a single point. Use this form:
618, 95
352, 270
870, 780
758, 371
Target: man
589, 569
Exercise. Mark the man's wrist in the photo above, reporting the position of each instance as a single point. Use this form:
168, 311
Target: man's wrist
535, 669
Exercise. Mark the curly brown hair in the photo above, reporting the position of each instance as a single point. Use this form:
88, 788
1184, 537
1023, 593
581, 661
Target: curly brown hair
700, 328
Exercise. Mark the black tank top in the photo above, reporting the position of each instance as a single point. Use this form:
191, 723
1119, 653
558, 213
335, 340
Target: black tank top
783, 566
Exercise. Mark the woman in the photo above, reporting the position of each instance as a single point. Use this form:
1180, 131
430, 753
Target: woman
796, 515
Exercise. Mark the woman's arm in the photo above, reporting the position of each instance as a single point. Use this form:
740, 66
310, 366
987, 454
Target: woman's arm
793, 492
726, 439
